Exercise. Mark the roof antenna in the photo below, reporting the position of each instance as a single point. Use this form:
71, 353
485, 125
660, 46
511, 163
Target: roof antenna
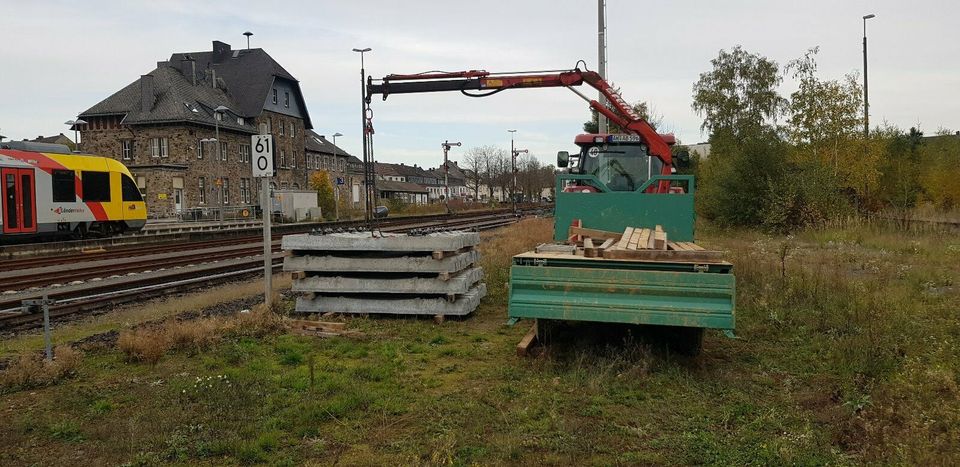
248, 34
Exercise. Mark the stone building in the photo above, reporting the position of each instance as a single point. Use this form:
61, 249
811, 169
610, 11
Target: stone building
158, 124
321, 154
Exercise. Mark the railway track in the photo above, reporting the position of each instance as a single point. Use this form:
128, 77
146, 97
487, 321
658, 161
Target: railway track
170, 271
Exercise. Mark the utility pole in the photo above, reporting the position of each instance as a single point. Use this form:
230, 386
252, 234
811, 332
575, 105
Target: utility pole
602, 52
368, 169
866, 100
446, 172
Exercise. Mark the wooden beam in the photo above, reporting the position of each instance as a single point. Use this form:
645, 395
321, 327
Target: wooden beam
607, 244
593, 233
644, 240
523, 347
702, 256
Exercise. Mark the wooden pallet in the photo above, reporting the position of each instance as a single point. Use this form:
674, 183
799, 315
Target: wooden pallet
634, 243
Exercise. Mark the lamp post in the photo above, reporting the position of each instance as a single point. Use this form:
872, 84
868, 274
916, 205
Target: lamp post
217, 115
367, 170
75, 124
248, 34
866, 101
336, 187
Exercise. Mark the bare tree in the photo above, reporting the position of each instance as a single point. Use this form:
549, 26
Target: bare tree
477, 163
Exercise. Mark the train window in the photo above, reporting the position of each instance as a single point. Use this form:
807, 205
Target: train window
96, 186
129, 189
64, 186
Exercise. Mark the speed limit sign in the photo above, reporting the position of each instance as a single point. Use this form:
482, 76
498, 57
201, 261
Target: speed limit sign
262, 155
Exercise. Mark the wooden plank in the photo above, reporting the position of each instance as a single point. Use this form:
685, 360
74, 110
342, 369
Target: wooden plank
644, 240
298, 275
666, 255
635, 239
524, 345
607, 244
675, 246
555, 248
593, 233
693, 246
574, 238
625, 238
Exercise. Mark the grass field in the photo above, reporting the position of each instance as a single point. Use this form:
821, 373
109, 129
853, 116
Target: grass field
847, 354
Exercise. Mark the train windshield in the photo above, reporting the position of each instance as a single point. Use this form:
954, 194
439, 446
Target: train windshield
621, 167
129, 189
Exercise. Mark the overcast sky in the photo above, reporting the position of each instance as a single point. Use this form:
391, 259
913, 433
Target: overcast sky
60, 58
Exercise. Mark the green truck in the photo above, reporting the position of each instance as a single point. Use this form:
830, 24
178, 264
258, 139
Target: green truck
614, 183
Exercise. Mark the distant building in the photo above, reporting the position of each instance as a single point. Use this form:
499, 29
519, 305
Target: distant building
700, 149
58, 139
156, 124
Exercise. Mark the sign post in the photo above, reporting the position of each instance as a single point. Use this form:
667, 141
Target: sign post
263, 169
336, 198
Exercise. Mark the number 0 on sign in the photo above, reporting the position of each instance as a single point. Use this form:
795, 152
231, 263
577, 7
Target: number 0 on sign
262, 155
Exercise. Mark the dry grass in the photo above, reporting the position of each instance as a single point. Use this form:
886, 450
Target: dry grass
150, 344
35, 371
498, 248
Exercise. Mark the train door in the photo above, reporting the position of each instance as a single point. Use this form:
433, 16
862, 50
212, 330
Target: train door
19, 201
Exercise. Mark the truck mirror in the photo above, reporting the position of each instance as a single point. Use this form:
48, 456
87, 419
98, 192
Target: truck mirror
563, 157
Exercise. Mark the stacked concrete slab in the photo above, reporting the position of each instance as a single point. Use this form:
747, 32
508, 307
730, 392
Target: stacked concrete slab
361, 272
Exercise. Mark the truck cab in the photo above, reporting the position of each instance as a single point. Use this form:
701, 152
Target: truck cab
622, 162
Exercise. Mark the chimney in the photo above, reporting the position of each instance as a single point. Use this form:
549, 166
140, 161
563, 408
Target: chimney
188, 68
146, 93
221, 51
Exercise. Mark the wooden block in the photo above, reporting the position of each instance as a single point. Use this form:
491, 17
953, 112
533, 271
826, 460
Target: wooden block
296, 275
643, 240
524, 345
438, 319
625, 238
589, 250
660, 240
594, 233
702, 256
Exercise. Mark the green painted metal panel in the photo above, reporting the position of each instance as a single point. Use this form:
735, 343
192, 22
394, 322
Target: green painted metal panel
632, 296
616, 210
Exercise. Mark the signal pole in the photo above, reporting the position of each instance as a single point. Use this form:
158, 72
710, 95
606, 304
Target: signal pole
446, 172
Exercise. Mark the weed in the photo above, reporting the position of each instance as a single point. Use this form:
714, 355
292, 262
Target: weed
34, 371
144, 345
67, 430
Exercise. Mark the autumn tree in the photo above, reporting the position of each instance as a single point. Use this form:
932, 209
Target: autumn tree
477, 161
320, 182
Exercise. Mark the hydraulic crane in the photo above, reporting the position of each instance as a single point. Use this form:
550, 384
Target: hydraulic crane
615, 182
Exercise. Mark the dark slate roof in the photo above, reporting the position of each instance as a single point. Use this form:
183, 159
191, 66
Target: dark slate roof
402, 187
53, 139
175, 100
382, 168
248, 73
317, 143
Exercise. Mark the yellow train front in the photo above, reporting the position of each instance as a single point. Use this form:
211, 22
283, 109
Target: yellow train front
47, 192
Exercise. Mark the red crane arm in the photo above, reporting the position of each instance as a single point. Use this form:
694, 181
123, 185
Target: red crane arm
619, 113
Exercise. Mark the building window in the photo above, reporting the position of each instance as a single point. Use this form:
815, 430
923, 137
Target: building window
218, 116
126, 149
293, 130
281, 128
286, 99
244, 152
269, 124
158, 147
223, 151
203, 190
245, 190
226, 191
283, 158
200, 149
274, 96
293, 160
240, 121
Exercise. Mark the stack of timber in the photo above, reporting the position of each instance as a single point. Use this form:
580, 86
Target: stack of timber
434, 274
637, 243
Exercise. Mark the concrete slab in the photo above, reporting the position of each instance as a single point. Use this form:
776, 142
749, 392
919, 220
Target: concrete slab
459, 284
464, 305
364, 241
413, 264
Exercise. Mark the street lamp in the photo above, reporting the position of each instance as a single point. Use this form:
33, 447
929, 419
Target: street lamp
74, 124
367, 169
336, 187
866, 101
248, 34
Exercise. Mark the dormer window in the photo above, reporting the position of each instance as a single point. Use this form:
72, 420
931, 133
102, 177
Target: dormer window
286, 99
240, 121
274, 96
218, 116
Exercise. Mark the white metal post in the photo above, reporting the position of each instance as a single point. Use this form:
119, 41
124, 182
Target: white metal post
267, 212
